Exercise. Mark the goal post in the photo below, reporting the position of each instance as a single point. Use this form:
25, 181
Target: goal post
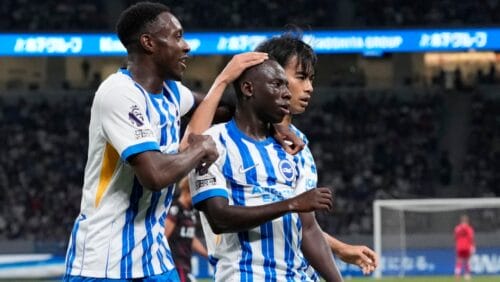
397, 221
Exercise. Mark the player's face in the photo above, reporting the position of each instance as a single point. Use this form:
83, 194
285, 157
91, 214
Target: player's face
299, 84
172, 48
272, 96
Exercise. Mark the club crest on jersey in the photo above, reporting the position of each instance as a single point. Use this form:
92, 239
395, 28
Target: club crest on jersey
287, 170
135, 116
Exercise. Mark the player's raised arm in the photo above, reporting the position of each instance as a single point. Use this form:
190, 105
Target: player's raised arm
204, 114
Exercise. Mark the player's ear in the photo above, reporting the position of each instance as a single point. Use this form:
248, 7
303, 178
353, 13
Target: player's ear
246, 89
146, 41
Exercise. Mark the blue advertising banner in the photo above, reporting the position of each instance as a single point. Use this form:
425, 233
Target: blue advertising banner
368, 42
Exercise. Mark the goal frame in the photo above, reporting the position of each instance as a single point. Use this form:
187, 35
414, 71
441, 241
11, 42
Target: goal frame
423, 205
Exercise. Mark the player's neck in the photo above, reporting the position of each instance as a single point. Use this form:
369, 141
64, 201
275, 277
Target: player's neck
287, 120
251, 125
145, 75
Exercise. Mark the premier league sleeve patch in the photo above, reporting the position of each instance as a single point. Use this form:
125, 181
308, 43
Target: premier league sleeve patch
135, 116
136, 119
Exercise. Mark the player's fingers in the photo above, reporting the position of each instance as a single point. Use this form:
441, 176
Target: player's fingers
371, 255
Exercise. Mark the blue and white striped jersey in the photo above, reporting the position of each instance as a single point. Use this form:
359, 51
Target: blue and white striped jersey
119, 232
251, 173
306, 160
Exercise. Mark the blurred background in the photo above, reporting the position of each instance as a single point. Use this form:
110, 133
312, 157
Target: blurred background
386, 121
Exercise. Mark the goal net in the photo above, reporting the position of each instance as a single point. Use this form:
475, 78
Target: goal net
415, 237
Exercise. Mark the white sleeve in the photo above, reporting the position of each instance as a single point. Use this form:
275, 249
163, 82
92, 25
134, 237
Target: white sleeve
186, 102
210, 184
124, 121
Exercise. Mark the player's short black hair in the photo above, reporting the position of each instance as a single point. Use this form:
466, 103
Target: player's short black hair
248, 71
134, 20
282, 48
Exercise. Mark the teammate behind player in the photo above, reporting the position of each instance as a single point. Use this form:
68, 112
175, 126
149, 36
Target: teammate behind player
180, 230
465, 247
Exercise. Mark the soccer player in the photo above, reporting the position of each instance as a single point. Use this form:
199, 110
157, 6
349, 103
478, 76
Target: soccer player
465, 247
133, 159
265, 232
298, 59
180, 230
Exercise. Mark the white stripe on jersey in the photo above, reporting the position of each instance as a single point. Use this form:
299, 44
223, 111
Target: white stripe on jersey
252, 173
119, 233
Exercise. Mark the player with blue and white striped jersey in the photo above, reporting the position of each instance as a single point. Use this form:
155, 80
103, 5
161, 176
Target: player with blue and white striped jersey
249, 195
133, 159
298, 59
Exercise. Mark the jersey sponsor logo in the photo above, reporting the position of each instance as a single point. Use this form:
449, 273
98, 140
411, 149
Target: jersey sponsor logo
205, 181
286, 169
242, 170
135, 116
143, 133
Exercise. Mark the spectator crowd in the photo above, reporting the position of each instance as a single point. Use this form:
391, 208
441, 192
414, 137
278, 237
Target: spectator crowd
368, 144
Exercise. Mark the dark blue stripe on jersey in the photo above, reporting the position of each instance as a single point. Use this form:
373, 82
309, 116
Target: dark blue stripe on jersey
246, 272
163, 118
289, 255
315, 276
297, 169
173, 124
147, 242
167, 202
70, 257
176, 100
267, 241
303, 269
238, 196
128, 240
267, 234
298, 224
175, 90
159, 241
213, 261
